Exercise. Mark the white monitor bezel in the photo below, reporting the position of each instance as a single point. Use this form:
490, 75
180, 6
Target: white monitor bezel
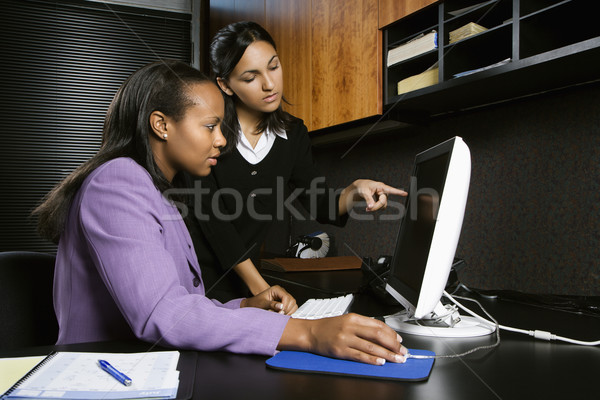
446, 231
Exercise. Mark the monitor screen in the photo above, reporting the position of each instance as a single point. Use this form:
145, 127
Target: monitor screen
414, 242
429, 231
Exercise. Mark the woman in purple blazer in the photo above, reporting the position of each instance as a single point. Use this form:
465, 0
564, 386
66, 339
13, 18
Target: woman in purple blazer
126, 267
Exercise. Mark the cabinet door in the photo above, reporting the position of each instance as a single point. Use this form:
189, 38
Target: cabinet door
330, 52
346, 61
392, 10
289, 23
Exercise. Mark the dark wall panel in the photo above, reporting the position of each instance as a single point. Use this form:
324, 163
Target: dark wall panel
62, 63
533, 212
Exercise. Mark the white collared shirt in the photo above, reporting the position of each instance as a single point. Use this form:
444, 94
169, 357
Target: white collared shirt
264, 145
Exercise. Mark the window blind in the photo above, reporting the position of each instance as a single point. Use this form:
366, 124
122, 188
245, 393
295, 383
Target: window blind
62, 63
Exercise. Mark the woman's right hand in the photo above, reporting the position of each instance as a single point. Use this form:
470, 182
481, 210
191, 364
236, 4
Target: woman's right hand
351, 337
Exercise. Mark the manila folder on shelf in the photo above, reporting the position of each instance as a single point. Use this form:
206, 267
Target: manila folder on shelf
412, 370
311, 264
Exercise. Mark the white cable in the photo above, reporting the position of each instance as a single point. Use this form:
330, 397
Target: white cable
538, 334
496, 329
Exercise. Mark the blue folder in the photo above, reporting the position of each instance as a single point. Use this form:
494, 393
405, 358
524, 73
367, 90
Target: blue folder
412, 370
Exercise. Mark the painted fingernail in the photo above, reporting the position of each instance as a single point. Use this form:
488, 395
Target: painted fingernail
399, 338
399, 358
380, 361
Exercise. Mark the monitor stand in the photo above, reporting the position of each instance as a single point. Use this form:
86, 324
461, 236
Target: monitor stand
451, 324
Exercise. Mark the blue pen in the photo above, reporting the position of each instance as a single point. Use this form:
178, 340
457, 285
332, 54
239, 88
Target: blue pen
121, 377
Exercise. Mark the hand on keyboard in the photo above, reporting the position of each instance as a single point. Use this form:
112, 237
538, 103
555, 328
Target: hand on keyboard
275, 298
324, 308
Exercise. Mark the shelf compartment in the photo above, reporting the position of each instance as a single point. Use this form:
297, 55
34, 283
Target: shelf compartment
406, 69
409, 27
551, 28
489, 15
478, 51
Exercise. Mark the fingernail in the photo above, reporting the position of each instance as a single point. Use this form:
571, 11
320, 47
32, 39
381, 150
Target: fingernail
380, 361
399, 338
280, 306
399, 358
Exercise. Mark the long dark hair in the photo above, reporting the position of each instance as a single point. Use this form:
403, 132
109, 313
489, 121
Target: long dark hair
226, 50
162, 86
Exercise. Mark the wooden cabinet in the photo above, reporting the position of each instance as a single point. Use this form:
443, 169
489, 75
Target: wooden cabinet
346, 62
289, 22
393, 10
330, 52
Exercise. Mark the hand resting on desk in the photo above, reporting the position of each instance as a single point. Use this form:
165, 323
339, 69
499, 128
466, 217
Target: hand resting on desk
351, 337
275, 298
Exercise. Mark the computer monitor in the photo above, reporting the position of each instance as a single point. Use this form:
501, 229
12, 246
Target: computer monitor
426, 244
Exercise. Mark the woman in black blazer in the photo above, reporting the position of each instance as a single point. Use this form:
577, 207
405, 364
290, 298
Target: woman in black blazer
267, 164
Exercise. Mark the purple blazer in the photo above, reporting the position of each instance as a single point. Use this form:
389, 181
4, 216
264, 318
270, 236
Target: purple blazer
126, 268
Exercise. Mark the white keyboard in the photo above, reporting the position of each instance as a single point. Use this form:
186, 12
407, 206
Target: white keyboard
324, 308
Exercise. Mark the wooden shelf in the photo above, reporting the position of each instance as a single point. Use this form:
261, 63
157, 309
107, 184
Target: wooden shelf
547, 44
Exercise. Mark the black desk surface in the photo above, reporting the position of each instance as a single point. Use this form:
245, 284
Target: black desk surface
519, 368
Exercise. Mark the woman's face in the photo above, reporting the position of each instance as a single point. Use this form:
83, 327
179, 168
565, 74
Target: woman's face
257, 78
193, 143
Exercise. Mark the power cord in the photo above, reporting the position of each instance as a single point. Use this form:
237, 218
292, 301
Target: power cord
580, 305
422, 357
538, 334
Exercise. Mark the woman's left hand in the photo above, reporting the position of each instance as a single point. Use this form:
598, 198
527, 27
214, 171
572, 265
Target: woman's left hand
275, 298
373, 192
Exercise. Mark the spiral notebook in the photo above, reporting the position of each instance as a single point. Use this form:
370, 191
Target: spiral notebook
77, 375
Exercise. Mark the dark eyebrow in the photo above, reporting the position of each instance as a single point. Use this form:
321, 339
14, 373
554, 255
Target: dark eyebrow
254, 71
214, 119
